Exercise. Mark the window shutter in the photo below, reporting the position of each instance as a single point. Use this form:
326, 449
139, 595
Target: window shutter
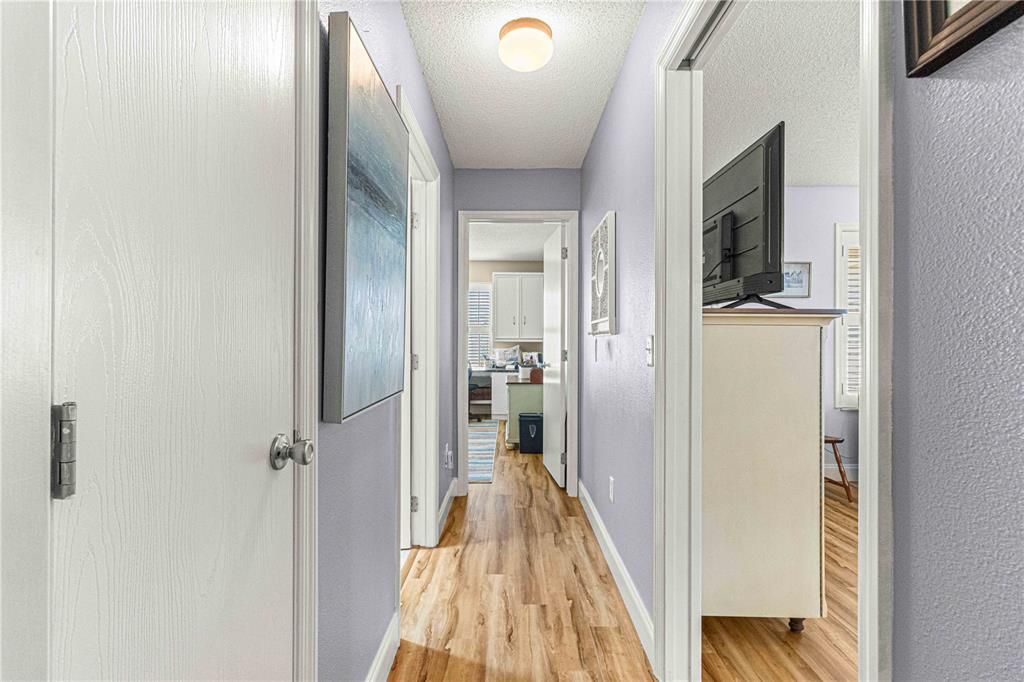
849, 336
479, 317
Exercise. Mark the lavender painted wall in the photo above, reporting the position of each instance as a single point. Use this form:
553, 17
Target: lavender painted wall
358, 461
958, 383
617, 386
811, 214
546, 189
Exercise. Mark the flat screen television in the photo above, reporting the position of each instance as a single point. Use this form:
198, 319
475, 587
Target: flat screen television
742, 225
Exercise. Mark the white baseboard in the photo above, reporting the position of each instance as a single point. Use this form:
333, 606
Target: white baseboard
446, 506
627, 588
832, 471
385, 656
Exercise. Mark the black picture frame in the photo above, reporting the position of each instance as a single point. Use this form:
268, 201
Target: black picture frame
935, 37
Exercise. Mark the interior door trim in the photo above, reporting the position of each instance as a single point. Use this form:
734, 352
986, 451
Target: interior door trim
571, 225
307, 308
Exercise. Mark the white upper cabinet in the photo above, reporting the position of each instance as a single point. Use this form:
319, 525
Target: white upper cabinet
518, 304
505, 304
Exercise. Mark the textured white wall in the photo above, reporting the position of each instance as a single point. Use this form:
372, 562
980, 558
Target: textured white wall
958, 366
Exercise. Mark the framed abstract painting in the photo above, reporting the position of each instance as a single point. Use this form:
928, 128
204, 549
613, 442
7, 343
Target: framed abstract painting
366, 231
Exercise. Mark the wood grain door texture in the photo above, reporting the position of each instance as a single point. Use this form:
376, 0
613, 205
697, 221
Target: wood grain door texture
174, 243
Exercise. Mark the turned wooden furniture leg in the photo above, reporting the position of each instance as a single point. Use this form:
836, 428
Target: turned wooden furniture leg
842, 472
796, 624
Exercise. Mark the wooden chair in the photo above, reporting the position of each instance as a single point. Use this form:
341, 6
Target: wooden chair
834, 441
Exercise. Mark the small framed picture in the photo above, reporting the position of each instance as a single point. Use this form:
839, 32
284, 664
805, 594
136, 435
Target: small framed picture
796, 278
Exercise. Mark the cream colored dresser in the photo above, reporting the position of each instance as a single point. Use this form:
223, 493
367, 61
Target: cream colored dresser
763, 539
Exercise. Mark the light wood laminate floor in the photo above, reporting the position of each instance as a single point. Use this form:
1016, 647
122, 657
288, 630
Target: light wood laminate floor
752, 649
517, 590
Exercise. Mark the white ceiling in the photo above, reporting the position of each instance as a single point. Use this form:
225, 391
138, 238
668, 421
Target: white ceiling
494, 117
794, 62
508, 241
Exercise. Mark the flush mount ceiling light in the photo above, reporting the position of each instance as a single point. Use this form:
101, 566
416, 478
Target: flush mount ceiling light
525, 44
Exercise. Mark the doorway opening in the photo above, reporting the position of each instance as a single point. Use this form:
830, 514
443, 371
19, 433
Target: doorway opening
518, 326
845, 552
419, 515
779, 581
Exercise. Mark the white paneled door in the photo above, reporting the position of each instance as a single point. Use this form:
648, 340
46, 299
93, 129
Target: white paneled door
554, 369
174, 231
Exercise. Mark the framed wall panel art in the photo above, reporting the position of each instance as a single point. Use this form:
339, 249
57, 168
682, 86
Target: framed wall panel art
602, 277
367, 228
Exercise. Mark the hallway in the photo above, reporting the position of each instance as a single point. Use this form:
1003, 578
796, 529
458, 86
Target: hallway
517, 590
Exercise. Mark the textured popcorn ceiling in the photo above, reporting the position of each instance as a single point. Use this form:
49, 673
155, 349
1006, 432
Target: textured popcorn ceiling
787, 61
508, 241
494, 117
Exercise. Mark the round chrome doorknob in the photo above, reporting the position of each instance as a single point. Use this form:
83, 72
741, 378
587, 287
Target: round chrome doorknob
301, 451
282, 449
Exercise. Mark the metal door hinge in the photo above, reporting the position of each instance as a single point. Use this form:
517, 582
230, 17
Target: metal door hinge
565, 356
415, 361
565, 253
65, 418
415, 504
415, 221
563, 458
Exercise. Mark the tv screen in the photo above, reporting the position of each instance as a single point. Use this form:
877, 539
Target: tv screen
742, 224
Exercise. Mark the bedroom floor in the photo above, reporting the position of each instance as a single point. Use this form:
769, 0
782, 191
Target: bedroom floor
765, 649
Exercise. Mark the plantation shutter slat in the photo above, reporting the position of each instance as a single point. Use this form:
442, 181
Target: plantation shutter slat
849, 337
479, 319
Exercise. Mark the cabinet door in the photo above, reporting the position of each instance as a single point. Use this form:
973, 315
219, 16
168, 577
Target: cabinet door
531, 306
505, 302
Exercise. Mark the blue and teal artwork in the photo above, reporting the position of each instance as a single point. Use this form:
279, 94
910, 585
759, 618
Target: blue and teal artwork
366, 240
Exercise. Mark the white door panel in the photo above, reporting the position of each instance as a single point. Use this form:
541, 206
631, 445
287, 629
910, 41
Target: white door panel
531, 306
174, 228
554, 398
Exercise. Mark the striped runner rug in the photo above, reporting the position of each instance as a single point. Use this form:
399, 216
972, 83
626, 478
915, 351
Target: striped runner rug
483, 440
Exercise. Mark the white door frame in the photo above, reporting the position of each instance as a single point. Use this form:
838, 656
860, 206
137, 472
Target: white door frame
571, 235
678, 301
26, 247
424, 255
307, 331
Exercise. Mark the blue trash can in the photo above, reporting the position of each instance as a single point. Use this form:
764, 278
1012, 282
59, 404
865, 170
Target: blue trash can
531, 433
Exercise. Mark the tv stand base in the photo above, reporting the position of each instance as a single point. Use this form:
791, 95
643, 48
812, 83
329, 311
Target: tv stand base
754, 298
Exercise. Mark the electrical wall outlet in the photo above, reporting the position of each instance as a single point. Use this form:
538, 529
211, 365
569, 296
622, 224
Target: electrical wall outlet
611, 488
